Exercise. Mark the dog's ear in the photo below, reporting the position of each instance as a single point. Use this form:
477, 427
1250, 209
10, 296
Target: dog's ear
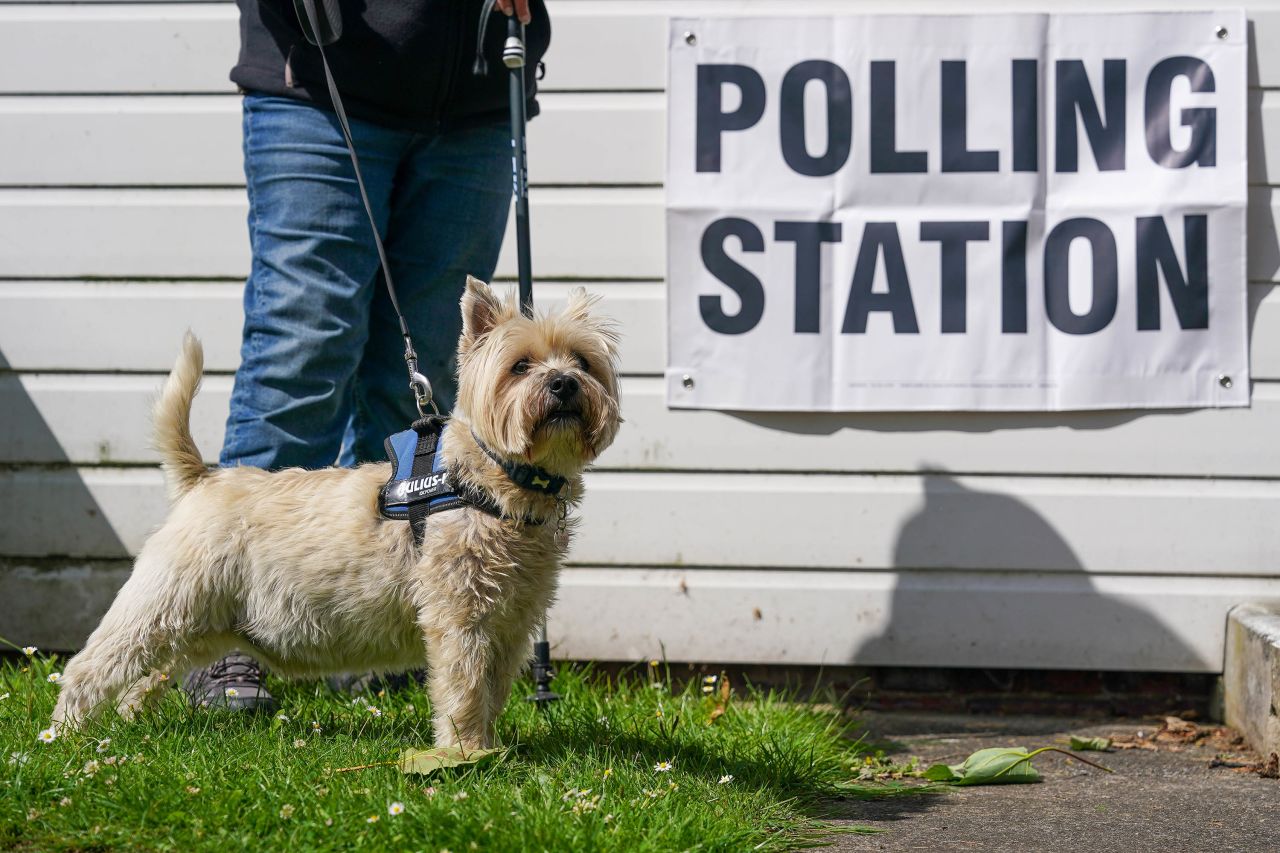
579, 305
481, 311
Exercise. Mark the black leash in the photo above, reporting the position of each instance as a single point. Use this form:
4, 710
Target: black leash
321, 31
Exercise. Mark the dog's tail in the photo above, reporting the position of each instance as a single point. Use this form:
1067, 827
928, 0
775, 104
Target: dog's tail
180, 458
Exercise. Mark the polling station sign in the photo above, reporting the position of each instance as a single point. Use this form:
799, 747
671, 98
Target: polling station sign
988, 212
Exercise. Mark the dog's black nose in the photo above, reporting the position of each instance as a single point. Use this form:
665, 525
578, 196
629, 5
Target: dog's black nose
564, 387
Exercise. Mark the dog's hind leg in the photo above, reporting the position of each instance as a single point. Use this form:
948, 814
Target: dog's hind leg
145, 628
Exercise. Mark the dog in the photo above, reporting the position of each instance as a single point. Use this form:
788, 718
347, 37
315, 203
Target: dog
298, 567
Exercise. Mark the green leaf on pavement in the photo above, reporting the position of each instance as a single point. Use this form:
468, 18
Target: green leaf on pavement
427, 761
1090, 744
993, 766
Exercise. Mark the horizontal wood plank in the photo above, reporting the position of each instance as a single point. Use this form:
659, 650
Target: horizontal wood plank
160, 140
113, 326
43, 416
963, 619
180, 233
869, 523
597, 44
164, 140
576, 233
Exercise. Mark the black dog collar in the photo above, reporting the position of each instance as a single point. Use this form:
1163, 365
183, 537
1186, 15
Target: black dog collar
525, 476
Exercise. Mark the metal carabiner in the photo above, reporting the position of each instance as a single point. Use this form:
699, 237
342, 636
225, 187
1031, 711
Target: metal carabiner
422, 396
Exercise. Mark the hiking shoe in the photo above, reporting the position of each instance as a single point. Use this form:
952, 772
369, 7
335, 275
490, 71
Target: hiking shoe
372, 682
233, 683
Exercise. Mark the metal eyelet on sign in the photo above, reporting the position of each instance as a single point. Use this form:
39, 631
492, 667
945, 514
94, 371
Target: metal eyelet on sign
1224, 380
1220, 32
690, 39
687, 381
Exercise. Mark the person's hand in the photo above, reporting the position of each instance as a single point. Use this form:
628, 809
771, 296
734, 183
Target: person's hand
520, 8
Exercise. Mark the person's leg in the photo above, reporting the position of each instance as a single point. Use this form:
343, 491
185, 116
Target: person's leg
448, 213
314, 269
306, 309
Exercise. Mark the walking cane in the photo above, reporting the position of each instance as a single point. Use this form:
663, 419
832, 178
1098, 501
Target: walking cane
513, 58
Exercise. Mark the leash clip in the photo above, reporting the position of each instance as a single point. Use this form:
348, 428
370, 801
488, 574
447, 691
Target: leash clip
418, 384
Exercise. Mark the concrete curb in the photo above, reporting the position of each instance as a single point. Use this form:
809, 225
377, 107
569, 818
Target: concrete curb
1251, 676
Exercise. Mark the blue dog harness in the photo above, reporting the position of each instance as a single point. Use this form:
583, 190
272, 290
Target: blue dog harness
420, 485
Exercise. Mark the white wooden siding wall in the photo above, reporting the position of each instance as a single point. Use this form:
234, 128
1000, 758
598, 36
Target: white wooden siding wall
1091, 540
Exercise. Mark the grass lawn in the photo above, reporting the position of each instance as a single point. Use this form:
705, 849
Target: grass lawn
592, 774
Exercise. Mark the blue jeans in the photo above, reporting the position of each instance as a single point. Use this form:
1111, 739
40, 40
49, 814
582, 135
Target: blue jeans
322, 375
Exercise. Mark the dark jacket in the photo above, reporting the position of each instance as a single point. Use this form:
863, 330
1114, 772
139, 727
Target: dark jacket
401, 63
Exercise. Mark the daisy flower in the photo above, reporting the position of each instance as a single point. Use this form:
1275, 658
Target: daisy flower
726, 779
374, 711
315, 727
395, 809
373, 818
299, 743
29, 650
461, 795
53, 677
286, 811
231, 693
608, 771
91, 767
103, 744
662, 767
430, 790
47, 736
282, 718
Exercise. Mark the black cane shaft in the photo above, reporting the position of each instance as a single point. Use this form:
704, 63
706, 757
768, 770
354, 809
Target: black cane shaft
520, 176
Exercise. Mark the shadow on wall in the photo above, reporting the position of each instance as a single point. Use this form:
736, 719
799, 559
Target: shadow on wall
1008, 619
57, 575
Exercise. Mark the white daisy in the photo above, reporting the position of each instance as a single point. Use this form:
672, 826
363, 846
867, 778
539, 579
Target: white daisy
662, 767
726, 779
373, 818
395, 809
231, 692
29, 650
47, 736
374, 711
53, 677
286, 811
104, 744
299, 743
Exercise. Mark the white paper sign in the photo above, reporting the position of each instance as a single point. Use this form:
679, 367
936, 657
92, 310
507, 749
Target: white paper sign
973, 212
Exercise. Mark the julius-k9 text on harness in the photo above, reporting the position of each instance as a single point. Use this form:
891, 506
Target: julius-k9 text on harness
420, 485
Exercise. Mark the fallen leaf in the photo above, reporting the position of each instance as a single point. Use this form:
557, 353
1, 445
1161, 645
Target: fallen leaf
427, 761
992, 766
997, 766
1088, 744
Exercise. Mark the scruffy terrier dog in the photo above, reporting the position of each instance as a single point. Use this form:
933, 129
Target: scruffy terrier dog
298, 567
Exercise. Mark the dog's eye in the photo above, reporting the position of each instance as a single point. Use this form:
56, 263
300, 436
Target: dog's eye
582, 362
521, 367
